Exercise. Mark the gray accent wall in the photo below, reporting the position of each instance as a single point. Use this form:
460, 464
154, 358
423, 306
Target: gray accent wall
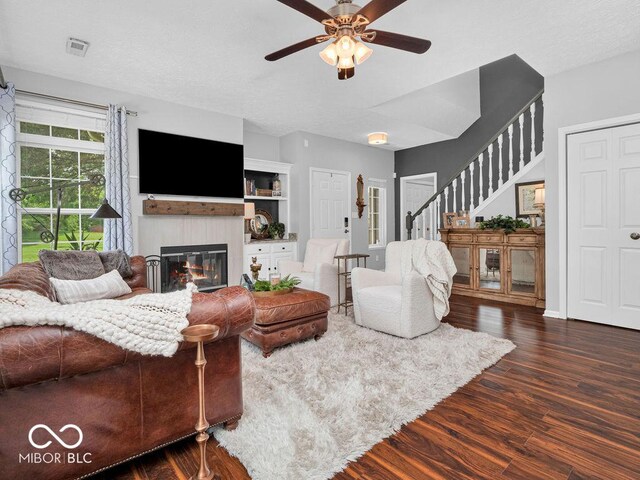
506, 86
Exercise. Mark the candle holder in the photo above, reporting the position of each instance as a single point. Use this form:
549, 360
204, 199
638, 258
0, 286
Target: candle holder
199, 334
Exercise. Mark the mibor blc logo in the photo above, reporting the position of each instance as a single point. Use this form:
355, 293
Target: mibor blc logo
55, 457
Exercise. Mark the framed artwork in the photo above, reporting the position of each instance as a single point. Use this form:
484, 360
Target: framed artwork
447, 219
462, 221
525, 195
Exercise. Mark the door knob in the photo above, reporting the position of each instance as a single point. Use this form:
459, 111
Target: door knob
635, 236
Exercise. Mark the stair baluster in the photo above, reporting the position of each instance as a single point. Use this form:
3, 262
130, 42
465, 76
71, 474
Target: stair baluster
532, 108
463, 175
446, 199
455, 197
481, 186
472, 165
500, 168
510, 151
490, 170
521, 120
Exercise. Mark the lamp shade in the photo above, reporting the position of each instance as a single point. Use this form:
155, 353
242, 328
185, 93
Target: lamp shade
539, 196
106, 211
249, 211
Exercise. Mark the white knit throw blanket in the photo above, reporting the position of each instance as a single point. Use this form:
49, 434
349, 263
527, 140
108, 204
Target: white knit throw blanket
149, 324
432, 260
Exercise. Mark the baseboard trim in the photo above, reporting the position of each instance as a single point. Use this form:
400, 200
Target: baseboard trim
552, 314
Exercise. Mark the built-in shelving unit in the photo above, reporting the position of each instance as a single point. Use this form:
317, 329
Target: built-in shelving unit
269, 253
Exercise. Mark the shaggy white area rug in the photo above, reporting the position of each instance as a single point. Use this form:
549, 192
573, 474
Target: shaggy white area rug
313, 407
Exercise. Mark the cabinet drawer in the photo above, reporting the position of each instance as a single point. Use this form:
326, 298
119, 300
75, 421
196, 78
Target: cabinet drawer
258, 249
516, 239
489, 237
282, 248
460, 237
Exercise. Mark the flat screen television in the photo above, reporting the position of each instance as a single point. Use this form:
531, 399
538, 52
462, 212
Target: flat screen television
177, 165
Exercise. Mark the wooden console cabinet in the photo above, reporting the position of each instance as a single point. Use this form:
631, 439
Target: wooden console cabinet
496, 266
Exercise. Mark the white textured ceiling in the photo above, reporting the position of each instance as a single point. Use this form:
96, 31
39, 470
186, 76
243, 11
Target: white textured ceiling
209, 54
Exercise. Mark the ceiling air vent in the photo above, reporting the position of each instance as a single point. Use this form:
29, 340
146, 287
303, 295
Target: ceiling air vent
77, 47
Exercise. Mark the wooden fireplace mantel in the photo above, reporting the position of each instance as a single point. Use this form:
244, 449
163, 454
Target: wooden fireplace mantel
210, 209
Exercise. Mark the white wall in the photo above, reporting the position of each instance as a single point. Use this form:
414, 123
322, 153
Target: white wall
263, 147
505, 203
150, 231
593, 92
325, 152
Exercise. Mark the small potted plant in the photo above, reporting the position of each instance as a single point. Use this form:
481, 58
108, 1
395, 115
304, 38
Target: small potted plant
508, 224
276, 230
265, 288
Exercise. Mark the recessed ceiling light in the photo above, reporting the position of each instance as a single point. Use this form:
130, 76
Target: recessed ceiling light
77, 47
378, 138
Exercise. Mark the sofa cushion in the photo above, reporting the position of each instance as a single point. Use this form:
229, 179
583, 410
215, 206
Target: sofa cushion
109, 285
318, 252
71, 264
116, 260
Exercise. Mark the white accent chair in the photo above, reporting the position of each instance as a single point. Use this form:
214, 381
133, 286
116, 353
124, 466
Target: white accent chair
390, 302
319, 271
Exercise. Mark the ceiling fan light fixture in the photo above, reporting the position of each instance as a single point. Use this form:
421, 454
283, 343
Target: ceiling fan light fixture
362, 53
345, 62
346, 46
378, 138
346, 73
330, 54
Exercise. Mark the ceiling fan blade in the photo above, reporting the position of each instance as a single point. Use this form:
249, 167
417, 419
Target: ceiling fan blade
377, 8
296, 48
307, 9
401, 42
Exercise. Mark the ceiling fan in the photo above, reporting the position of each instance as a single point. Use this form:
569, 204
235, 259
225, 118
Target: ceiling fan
345, 23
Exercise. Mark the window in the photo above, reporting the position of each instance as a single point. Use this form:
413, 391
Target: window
377, 217
56, 146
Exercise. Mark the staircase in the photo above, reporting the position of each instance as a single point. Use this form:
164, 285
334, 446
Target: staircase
497, 165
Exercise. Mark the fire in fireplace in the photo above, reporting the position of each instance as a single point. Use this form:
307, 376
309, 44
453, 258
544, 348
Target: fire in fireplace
204, 265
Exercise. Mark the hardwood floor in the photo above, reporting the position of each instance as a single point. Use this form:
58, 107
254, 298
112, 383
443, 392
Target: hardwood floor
565, 404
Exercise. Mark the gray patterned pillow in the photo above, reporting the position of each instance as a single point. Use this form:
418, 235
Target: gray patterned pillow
71, 264
116, 260
109, 285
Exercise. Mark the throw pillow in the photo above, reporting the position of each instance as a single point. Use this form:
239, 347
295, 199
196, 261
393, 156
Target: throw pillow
71, 264
116, 260
109, 285
318, 253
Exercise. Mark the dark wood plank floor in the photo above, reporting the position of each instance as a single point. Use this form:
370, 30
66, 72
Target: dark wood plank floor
565, 404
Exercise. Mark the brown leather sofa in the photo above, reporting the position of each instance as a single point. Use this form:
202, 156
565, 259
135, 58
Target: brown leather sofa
125, 404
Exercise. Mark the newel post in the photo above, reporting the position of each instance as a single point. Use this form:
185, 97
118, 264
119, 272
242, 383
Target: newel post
409, 224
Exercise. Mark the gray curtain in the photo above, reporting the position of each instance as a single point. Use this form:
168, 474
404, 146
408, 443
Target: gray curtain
118, 233
8, 178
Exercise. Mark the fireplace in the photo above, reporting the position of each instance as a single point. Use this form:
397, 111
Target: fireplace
204, 265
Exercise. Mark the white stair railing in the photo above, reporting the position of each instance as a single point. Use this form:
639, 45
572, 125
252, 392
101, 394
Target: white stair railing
430, 214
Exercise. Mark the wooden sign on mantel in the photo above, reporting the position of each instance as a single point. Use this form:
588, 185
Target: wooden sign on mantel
210, 209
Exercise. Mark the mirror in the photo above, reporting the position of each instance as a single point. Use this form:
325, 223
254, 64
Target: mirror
462, 257
523, 271
490, 268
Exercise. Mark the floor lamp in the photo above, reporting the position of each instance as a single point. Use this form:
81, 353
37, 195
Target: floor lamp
105, 211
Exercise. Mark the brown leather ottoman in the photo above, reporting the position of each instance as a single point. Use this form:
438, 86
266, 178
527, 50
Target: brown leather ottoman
288, 318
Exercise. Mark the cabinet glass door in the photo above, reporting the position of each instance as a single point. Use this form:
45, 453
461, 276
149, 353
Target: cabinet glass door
462, 258
489, 268
522, 271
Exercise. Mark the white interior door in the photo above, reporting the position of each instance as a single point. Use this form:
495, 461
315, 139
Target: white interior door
416, 190
603, 226
330, 199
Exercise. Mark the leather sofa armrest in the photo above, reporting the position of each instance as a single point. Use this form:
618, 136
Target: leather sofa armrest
232, 309
139, 268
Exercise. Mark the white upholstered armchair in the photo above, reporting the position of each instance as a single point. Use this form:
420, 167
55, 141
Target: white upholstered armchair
319, 271
390, 302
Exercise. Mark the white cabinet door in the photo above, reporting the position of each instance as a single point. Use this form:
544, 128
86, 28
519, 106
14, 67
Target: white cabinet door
603, 198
